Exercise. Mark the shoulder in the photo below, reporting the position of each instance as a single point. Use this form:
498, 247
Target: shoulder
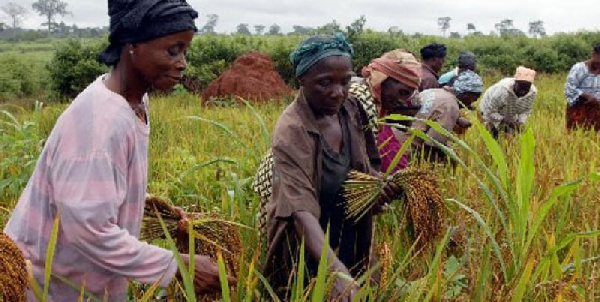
290, 126
95, 121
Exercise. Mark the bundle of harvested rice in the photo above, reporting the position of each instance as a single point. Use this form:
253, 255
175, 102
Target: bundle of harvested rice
422, 199
212, 235
13, 271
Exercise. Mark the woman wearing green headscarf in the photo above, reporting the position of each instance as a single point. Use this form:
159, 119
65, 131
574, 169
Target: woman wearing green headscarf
318, 139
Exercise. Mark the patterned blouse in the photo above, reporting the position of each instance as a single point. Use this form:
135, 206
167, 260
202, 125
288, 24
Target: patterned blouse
580, 81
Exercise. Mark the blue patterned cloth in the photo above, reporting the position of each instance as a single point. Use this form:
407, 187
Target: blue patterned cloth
313, 49
468, 81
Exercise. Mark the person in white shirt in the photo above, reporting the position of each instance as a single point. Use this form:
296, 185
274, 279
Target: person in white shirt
507, 105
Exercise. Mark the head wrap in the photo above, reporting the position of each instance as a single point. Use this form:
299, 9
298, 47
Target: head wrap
468, 81
525, 74
433, 50
313, 49
467, 59
399, 65
135, 21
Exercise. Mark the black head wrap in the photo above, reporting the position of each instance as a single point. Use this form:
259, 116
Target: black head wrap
597, 48
467, 59
135, 21
433, 50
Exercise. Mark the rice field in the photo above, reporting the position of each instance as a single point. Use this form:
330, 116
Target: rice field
522, 219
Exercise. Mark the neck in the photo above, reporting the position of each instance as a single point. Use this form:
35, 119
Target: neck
125, 82
430, 65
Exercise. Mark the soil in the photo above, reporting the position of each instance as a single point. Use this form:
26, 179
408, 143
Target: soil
252, 77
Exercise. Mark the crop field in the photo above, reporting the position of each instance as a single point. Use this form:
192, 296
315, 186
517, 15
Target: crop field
523, 215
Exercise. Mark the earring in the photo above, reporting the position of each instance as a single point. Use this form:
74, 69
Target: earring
131, 51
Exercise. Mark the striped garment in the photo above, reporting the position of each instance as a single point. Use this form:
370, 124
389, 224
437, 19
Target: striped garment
500, 104
581, 81
93, 172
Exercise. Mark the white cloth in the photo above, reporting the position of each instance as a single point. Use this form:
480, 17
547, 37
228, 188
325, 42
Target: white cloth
581, 81
499, 103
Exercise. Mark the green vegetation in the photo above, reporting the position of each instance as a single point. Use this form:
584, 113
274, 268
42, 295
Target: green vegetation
523, 215
62, 67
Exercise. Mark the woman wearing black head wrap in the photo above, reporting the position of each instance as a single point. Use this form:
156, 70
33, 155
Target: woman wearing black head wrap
92, 172
433, 57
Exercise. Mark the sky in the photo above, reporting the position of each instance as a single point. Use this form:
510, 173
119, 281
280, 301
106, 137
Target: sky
410, 16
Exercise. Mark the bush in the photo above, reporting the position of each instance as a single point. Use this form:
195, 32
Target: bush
18, 78
74, 66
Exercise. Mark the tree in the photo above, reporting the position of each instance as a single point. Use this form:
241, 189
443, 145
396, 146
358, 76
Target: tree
242, 29
444, 24
356, 27
274, 30
259, 29
16, 12
455, 35
395, 31
471, 28
50, 9
211, 23
536, 29
330, 28
302, 30
505, 27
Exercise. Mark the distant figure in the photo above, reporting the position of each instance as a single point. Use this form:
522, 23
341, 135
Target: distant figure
507, 105
466, 61
583, 93
433, 57
442, 106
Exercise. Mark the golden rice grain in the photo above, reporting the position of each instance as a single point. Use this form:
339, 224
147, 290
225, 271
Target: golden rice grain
13, 271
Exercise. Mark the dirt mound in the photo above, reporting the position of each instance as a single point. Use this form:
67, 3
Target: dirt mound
252, 77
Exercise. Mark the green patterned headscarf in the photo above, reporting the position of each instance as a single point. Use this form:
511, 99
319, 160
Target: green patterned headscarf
313, 49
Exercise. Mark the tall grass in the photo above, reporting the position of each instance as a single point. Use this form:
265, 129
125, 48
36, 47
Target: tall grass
523, 213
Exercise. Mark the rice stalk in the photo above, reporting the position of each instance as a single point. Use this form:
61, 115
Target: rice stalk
422, 199
13, 271
212, 235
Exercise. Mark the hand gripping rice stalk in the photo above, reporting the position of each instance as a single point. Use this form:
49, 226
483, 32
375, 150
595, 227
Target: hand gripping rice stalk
212, 235
422, 199
13, 271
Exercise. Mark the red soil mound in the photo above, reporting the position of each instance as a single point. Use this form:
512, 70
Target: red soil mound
252, 77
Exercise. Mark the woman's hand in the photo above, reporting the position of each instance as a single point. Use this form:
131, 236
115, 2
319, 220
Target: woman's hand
390, 192
183, 221
343, 290
206, 274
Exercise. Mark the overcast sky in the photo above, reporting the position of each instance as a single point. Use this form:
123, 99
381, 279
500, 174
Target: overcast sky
410, 16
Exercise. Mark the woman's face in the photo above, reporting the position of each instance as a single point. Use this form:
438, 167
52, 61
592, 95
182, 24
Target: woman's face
161, 62
595, 63
326, 84
395, 95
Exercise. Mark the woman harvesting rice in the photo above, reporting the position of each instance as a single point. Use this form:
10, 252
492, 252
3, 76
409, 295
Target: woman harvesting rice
442, 106
583, 93
318, 139
92, 172
388, 87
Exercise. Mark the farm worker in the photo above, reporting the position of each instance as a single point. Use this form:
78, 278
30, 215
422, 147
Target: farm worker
388, 87
433, 57
583, 93
507, 105
466, 61
442, 106
92, 172
318, 139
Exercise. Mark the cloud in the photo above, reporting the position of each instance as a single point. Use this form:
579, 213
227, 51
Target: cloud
410, 16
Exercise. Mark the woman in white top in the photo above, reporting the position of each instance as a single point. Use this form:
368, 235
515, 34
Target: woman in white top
582, 91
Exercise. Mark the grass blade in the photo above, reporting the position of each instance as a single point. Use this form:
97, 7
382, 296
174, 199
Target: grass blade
50, 256
223, 278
